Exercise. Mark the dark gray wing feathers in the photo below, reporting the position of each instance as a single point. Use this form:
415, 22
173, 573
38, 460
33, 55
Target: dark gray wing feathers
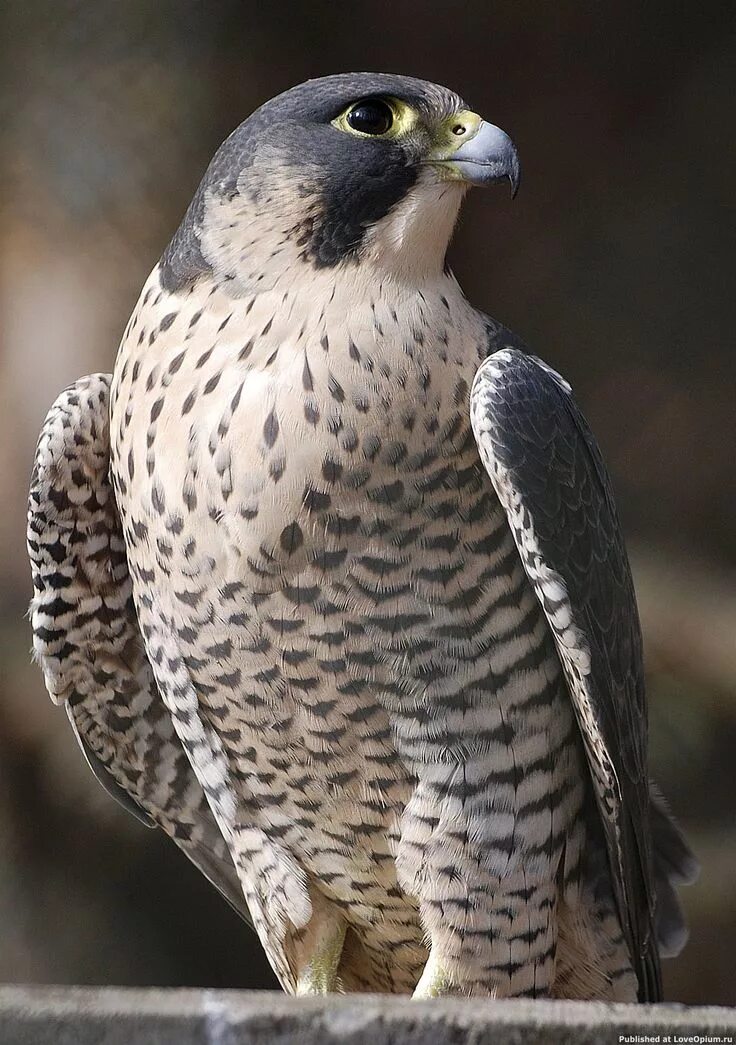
548, 472
105, 778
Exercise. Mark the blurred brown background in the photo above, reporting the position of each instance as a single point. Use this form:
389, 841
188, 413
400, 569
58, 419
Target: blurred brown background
615, 264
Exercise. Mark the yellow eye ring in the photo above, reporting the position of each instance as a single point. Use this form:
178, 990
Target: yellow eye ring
376, 118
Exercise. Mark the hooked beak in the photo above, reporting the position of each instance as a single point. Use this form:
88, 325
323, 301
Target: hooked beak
484, 155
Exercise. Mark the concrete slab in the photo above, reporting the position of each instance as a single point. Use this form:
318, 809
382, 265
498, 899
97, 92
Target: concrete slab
115, 1016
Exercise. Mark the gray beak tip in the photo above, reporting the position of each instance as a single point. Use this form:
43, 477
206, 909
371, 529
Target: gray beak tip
515, 177
489, 156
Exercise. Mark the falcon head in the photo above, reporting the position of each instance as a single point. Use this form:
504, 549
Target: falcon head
338, 171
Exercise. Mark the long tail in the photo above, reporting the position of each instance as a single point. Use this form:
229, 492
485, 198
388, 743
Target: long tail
674, 864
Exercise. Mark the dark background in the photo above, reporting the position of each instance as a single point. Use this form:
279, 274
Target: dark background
614, 263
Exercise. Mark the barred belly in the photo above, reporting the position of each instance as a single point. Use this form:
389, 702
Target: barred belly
336, 584
401, 727
481, 717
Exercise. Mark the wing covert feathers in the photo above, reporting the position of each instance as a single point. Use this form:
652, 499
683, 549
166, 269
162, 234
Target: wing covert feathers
87, 641
549, 475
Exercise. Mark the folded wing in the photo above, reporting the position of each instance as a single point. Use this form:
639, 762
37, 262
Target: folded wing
87, 641
547, 470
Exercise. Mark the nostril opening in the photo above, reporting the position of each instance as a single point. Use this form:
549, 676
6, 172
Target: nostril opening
458, 129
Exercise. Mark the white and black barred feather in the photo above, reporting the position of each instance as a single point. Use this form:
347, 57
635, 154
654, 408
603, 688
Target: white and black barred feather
87, 640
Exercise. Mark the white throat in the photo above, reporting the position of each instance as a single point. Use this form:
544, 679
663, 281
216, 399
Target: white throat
411, 241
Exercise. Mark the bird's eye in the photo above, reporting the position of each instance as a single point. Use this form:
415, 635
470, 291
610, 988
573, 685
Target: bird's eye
370, 117
377, 118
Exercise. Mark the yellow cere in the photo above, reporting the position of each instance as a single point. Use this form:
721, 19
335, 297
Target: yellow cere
455, 131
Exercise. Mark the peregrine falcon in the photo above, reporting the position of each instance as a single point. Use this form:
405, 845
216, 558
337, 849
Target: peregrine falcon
330, 578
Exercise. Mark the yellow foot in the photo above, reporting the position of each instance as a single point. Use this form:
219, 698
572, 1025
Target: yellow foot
318, 975
434, 981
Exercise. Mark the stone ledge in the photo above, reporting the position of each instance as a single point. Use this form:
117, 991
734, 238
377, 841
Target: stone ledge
121, 1016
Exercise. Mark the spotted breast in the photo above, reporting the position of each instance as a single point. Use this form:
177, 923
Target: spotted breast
313, 539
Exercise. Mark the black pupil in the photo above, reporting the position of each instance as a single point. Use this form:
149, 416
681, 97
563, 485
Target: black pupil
371, 117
